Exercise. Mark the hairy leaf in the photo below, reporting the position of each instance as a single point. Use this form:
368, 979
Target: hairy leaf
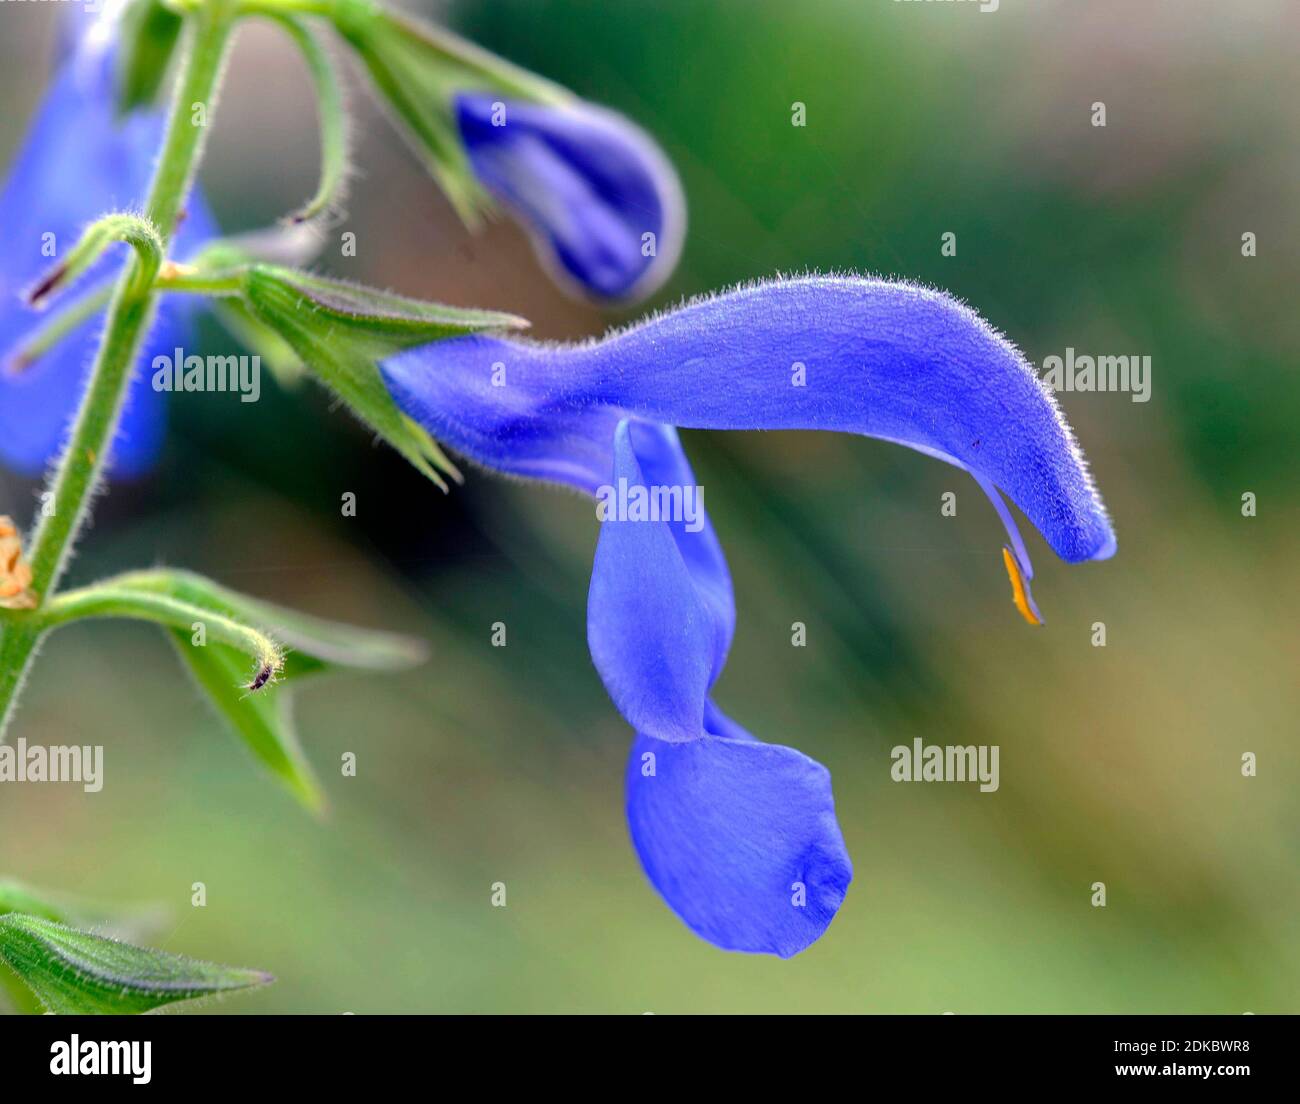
72, 971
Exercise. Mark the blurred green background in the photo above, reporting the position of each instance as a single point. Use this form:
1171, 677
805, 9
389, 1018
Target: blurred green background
1118, 764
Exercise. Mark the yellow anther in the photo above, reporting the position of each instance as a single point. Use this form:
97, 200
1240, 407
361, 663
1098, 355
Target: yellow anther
1019, 592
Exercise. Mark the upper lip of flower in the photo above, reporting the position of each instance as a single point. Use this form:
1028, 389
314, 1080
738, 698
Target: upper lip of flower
884, 359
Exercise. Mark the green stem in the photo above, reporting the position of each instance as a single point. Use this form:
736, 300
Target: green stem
67, 503
292, 7
217, 284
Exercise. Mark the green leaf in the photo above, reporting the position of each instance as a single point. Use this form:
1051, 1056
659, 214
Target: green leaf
326, 642
236, 628
72, 971
342, 330
264, 721
149, 32
418, 70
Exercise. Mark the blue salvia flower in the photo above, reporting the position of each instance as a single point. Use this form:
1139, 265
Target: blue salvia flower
77, 162
601, 201
739, 836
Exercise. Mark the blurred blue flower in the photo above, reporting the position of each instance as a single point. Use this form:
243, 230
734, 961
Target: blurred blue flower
602, 202
77, 162
739, 836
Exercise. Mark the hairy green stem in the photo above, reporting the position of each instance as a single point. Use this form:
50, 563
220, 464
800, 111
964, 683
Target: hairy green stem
333, 119
224, 284
66, 504
295, 7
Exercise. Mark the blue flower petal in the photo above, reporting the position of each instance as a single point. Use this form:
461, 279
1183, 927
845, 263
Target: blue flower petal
884, 359
656, 639
78, 162
659, 454
588, 184
740, 839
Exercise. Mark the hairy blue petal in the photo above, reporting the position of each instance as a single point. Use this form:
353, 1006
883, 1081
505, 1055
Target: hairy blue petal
740, 839
884, 359
78, 162
655, 638
587, 183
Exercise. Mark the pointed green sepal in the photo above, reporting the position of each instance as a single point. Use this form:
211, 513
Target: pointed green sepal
75, 972
418, 70
390, 322
341, 331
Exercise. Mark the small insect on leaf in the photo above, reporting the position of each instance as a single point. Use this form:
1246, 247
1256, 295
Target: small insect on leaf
264, 674
72, 971
15, 574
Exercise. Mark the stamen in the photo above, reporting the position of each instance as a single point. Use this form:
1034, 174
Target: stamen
1008, 523
1020, 593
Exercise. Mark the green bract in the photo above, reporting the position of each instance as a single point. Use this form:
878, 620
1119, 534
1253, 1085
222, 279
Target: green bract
73, 971
340, 331
418, 70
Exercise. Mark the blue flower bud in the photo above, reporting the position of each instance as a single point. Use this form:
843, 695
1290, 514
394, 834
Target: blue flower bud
601, 201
